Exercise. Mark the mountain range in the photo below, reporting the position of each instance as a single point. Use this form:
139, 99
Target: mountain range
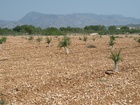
73, 20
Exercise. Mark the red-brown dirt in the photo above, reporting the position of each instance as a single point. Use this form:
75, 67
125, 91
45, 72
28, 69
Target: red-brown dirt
34, 74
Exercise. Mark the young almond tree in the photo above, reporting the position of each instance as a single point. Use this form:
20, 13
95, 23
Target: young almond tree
85, 39
39, 39
65, 42
30, 38
112, 37
115, 56
48, 40
111, 43
137, 40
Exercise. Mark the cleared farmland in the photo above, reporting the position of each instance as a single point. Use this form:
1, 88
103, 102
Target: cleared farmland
33, 74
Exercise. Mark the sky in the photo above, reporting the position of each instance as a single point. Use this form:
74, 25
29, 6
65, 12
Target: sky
14, 10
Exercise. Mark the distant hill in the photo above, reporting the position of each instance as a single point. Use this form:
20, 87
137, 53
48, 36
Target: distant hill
73, 20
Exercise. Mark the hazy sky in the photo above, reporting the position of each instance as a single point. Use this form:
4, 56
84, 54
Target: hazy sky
16, 9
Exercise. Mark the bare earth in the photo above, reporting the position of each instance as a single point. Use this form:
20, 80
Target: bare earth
34, 74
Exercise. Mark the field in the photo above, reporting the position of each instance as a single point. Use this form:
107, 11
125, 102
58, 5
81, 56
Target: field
33, 74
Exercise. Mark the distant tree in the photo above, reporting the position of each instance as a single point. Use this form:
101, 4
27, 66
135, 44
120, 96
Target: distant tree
17, 28
25, 29
125, 29
112, 28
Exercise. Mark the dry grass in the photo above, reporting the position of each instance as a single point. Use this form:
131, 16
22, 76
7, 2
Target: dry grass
34, 74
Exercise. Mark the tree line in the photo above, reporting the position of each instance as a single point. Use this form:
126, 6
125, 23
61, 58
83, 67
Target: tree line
100, 29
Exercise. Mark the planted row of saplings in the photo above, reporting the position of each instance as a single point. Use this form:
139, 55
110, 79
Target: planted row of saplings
66, 41
115, 55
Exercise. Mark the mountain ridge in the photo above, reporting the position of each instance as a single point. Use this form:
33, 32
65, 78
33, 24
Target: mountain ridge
73, 20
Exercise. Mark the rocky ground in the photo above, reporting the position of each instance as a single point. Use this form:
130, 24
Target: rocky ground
33, 74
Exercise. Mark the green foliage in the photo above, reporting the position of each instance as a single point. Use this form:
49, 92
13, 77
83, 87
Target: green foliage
95, 28
6, 31
111, 42
112, 37
3, 40
30, 38
53, 31
138, 40
48, 40
112, 28
39, 39
65, 42
100, 29
115, 56
25, 29
2, 102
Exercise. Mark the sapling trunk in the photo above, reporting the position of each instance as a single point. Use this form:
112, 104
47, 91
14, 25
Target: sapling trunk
115, 56
49, 45
112, 47
67, 50
116, 66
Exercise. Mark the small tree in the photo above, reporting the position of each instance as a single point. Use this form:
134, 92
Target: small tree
112, 37
111, 43
48, 40
115, 56
85, 39
39, 39
65, 42
30, 38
